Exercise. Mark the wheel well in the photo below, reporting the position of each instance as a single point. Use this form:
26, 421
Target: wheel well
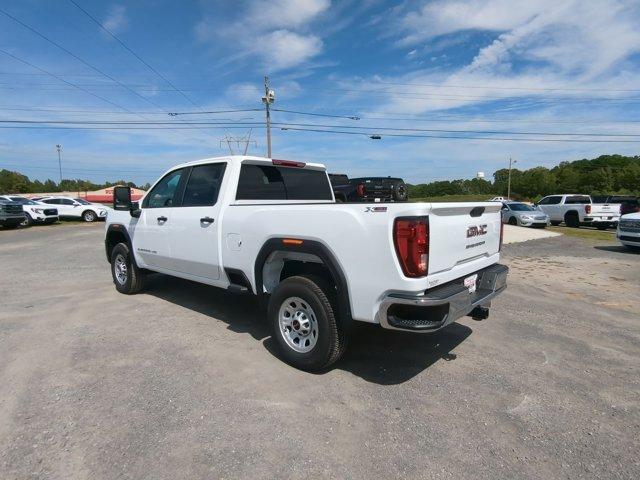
114, 237
571, 213
284, 264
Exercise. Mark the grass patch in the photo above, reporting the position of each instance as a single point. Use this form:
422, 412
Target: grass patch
453, 198
586, 233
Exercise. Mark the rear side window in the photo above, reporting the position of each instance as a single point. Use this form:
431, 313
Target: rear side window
203, 185
265, 182
578, 199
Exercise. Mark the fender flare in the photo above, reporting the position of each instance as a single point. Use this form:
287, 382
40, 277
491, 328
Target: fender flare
120, 229
308, 246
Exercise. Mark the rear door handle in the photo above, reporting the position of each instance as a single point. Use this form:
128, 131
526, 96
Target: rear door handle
206, 220
162, 219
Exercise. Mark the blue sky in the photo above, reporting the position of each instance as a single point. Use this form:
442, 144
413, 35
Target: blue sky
461, 68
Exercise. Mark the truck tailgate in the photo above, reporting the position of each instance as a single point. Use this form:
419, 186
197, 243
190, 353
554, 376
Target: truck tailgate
605, 209
462, 232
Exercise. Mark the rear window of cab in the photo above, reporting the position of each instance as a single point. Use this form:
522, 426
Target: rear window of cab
267, 182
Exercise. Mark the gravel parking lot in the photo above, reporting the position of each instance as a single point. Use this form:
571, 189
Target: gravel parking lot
182, 382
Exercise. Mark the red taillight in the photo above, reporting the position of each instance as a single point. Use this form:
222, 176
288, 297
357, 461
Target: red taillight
361, 190
411, 238
501, 235
587, 208
288, 163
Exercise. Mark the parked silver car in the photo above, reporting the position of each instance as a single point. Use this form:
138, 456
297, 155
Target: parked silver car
524, 215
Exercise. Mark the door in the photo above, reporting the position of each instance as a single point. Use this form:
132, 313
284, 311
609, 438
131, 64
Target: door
151, 233
195, 224
551, 206
69, 208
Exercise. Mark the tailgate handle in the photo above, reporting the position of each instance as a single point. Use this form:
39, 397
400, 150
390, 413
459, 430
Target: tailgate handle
477, 211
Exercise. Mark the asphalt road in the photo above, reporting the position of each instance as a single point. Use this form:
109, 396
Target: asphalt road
182, 382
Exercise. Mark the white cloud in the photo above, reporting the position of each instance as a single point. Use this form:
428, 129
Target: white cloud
276, 31
283, 49
116, 19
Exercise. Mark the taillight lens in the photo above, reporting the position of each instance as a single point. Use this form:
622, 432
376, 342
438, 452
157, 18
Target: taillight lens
411, 238
360, 190
587, 208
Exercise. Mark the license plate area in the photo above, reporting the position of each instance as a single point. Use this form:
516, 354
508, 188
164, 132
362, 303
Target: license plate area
471, 282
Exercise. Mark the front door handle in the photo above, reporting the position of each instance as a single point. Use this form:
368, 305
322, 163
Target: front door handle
207, 220
162, 219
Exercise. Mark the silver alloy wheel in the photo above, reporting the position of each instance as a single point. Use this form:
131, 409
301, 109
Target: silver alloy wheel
298, 324
120, 269
89, 216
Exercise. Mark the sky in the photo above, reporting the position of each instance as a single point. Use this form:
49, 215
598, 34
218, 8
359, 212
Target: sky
452, 88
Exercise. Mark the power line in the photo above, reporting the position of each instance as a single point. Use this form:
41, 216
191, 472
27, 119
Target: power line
348, 117
292, 124
126, 47
458, 137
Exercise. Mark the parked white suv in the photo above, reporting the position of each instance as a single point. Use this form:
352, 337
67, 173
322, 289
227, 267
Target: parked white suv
35, 212
628, 232
576, 210
272, 228
76, 208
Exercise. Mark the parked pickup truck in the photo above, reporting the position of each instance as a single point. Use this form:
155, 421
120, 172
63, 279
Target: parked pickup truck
272, 228
376, 189
576, 210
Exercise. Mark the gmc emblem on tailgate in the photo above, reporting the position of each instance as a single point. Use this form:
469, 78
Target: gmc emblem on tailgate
476, 231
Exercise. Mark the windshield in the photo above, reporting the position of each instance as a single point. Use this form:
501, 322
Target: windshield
82, 201
23, 201
521, 207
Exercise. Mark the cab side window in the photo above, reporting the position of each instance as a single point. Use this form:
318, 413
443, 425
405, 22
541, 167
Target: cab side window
165, 193
203, 185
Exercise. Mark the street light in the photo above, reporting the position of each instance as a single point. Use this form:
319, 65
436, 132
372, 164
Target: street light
509, 181
59, 148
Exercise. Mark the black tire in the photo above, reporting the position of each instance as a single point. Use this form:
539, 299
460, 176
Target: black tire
513, 221
572, 220
89, 216
28, 221
133, 280
555, 223
400, 193
11, 225
332, 334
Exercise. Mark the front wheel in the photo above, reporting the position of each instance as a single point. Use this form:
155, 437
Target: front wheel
127, 277
89, 216
513, 221
303, 316
28, 221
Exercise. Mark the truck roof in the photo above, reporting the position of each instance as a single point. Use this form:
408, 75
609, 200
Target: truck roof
242, 158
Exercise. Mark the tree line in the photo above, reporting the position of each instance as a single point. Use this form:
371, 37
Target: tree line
15, 182
607, 174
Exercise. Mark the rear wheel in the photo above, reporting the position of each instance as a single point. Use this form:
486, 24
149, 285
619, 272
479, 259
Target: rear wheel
303, 316
89, 216
572, 220
127, 277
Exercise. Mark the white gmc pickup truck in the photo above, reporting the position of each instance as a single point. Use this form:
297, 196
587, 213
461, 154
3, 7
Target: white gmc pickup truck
272, 228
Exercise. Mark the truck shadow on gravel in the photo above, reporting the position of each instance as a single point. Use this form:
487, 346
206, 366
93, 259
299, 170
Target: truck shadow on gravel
617, 249
380, 356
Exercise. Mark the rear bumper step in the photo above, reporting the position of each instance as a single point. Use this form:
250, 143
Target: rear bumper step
443, 305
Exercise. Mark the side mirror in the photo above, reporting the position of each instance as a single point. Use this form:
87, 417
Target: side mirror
122, 198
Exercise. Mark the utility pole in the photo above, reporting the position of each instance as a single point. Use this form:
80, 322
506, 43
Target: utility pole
509, 181
59, 148
268, 98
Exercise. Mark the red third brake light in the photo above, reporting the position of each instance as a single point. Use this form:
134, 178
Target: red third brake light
288, 163
587, 208
411, 238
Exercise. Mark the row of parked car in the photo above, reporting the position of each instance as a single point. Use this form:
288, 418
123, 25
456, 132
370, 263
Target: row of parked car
17, 210
571, 209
